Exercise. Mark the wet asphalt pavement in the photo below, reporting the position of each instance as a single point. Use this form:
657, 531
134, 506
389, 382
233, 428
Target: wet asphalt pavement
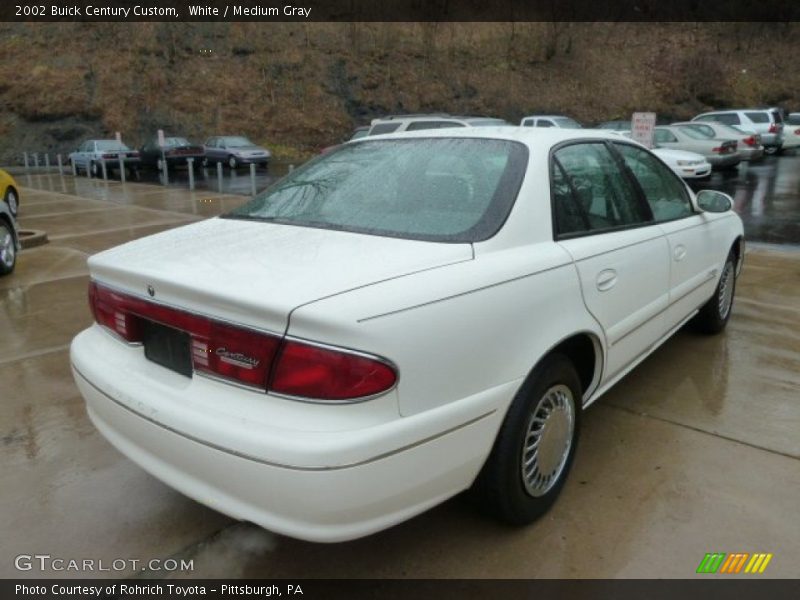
696, 451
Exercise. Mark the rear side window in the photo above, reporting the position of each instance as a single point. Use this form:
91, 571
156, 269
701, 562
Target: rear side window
543, 123
793, 119
384, 128
664, 192
420, 125
591, 193
727, 118
758, 117
527, 123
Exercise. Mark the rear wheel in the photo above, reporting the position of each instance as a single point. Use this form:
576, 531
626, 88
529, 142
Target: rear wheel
536, 444
714, 315
232, 162
8, 249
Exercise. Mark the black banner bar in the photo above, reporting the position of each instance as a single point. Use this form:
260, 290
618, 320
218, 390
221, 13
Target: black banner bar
712, 588
398, 10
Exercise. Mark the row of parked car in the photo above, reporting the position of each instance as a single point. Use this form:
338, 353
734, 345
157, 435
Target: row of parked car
232, 150
712, 140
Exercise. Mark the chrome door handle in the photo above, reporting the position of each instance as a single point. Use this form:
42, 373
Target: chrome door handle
679, 253
606, 279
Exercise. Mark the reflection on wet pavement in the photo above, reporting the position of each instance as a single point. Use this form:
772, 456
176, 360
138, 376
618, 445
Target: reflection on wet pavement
766, 195
696, 450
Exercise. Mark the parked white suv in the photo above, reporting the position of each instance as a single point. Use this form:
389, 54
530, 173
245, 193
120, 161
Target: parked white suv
398, 123
767, 122
405, 317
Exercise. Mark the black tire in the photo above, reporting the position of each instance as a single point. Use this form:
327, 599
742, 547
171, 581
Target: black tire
12, 199
771, 150
8, 249
500, 487
715, 314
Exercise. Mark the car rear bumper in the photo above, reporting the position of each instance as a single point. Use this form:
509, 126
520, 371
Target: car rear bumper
695, 172
723, 161
752, 154
336, 487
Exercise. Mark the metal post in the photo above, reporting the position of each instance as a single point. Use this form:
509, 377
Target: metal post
74, 168
25, 158
36, 159
219, 176
166, 171
121, 168
190, 165
105, 170
253, 179
88, 166
47, 161
60, 166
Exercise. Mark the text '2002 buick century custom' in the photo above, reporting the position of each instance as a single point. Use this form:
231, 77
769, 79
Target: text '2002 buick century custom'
399, 320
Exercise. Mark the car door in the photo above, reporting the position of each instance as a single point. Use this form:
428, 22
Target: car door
82, 154
621, 255
690, 235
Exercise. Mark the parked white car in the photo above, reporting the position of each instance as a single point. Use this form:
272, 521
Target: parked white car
399, 320
550, 121
791, 131
687, 165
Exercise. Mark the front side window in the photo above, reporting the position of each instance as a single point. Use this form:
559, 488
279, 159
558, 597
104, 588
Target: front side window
662, 136
728, 119
591, 192
435, 189
664, 192
543, 123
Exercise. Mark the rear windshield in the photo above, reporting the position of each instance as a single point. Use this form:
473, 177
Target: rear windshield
435, 189
694, 133
567, 123
106, 145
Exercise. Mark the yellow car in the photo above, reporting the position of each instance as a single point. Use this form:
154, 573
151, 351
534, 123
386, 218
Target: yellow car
9, 192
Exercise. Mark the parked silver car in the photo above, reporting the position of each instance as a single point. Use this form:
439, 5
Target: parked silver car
722, 154
768, 122
92, 153
235, 151
749, 142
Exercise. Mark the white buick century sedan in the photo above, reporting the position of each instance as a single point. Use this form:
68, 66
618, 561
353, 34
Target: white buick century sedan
399, 320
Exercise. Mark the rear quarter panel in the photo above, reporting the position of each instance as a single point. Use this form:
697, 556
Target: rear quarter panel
457, 331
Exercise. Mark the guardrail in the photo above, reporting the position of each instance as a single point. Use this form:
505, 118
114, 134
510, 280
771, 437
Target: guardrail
40, 162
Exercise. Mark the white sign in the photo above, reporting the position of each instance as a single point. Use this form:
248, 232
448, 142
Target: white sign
642, 126
161, 138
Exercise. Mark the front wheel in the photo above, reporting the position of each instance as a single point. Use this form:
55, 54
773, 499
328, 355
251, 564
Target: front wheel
11, 200
232, 163
534, 449
8, 249
714, 315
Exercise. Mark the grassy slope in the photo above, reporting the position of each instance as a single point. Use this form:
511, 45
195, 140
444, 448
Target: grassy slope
298, 87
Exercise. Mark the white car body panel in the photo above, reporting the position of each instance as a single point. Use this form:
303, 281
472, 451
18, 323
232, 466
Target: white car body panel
463, 323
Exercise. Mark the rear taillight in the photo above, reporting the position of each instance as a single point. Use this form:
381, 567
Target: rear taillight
107, 155
750, 141
247, 356
797, 131
328, 374
773, 128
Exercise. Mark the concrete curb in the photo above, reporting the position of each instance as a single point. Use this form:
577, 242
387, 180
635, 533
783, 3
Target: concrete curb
30, 238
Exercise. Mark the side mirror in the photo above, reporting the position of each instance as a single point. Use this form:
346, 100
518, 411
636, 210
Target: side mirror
713, 201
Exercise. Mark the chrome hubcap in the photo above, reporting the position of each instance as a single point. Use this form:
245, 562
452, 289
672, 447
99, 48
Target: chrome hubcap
6, 247
726, 290
12, 201
548, 440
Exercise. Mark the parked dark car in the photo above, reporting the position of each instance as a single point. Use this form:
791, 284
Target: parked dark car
176, 151
235, 151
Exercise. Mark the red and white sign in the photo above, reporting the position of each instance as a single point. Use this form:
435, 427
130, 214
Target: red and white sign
642, 127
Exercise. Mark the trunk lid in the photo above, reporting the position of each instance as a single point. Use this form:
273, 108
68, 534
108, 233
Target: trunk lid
256, 273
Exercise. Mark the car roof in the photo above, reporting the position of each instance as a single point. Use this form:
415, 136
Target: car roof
530, 136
